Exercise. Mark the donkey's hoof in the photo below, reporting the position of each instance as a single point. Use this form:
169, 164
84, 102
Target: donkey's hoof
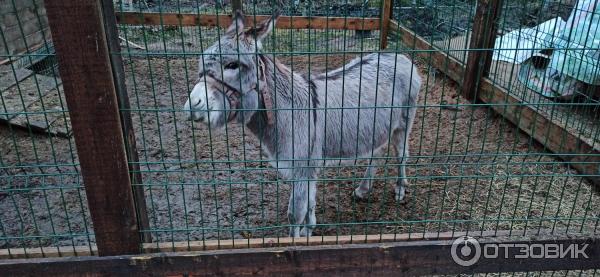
294, 232
306, 232
361, 194
400, 193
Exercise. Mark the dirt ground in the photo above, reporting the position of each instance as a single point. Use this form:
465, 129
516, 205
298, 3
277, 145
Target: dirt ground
470, 170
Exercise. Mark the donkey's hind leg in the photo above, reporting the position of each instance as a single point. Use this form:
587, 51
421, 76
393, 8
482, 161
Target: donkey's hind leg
301, 208
401, 146
363, 190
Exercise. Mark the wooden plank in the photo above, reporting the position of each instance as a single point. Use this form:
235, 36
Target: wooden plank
483, 37
184, 246
581, 154
312, 241
85, 68
17, 98
11, 19
43, 114
135, 174
386, 17
283, 22
16, 56
61, 126
25, 28
30, 44
10, 5
410, 258
48, 252
12, 78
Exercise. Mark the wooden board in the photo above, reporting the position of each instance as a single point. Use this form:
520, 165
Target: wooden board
46, 115
22, 26
18, 97
183, 246
582, 155
92, 101
12, 78
283, 22
409, 258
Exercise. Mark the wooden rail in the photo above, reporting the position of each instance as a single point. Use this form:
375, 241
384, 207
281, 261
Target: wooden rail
580, 154
182, 246
408, 258
211, 20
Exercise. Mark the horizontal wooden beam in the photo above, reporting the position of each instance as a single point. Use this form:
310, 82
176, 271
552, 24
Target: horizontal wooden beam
579, 153
211, 20
377, 259
69, 251
183, 246
312, 241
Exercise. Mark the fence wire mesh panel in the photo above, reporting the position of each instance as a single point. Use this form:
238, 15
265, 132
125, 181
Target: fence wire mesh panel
444, 24
315, 108
42, 201
547, 56
469, 170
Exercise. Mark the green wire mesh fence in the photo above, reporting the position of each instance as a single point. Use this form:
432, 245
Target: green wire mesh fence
42, 201
470, 169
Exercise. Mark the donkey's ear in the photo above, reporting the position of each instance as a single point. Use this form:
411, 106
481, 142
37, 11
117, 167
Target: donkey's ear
237, 25
263, 29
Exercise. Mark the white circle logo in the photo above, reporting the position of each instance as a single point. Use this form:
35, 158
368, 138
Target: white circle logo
466, 251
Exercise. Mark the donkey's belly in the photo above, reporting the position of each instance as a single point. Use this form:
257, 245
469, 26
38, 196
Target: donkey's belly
357, 134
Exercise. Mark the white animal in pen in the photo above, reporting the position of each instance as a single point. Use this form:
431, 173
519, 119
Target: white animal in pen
346, 114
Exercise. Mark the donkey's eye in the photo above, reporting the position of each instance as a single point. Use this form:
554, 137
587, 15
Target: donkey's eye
232, 65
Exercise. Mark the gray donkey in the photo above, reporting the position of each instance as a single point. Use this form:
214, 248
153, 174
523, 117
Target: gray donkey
305, 123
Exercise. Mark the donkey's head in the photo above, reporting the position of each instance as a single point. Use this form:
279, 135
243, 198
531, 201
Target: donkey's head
232, 59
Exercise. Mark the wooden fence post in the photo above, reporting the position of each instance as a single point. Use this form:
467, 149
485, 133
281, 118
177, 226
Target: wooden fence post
112, 37
79, 36
386, 17
236, 5
483, 38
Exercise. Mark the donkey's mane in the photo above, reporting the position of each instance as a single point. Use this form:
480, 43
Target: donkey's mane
278, 66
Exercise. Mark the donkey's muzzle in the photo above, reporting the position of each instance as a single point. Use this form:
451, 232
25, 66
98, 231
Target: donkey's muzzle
196, 105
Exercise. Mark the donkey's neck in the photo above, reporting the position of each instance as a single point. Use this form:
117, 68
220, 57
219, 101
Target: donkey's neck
284, 88
281, 81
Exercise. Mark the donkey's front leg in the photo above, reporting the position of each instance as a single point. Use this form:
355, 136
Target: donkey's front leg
301, 208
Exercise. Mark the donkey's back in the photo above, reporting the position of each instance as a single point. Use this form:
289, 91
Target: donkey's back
369, 102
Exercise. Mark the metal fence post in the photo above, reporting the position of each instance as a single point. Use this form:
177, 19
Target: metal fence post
483, 38
80, 40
